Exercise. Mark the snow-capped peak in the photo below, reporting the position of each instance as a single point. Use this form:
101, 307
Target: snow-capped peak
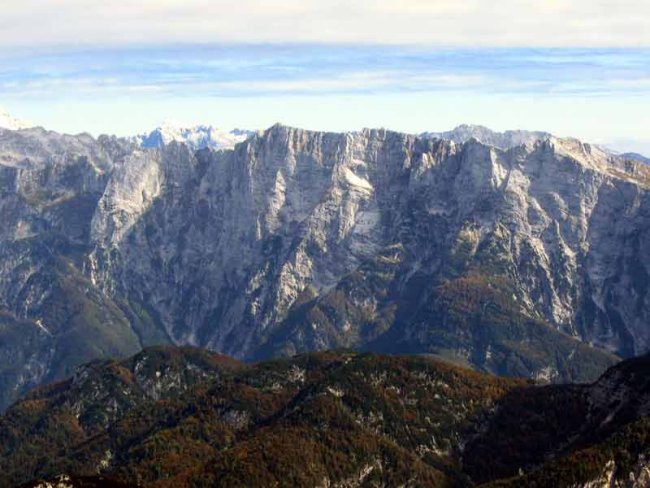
7, 121
196, 137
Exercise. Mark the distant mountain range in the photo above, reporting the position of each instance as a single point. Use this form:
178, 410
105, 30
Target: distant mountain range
196, 137
206, 136
7, 121
502, 140
636, 157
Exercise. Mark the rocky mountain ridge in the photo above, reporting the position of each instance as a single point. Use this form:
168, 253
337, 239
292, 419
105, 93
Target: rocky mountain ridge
502, 140
513, 261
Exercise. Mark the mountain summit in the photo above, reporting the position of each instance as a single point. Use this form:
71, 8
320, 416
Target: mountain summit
502, 140
8, 121
195, 137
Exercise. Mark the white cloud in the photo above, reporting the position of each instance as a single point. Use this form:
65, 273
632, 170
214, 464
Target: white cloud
435, 22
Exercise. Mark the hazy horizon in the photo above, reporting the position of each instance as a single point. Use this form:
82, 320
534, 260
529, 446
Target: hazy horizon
578, 69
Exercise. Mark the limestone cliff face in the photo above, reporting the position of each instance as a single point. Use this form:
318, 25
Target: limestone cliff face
297, 240
289, 210
51, 318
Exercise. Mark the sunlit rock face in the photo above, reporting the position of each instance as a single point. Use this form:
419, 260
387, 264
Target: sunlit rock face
511, 260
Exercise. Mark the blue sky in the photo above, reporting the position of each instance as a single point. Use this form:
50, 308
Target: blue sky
84, 67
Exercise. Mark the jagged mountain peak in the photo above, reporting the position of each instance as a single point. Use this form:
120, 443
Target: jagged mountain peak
501, 140
8, 121
194, 136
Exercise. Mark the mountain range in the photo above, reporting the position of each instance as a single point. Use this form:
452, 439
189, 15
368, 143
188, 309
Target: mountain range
519, 253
